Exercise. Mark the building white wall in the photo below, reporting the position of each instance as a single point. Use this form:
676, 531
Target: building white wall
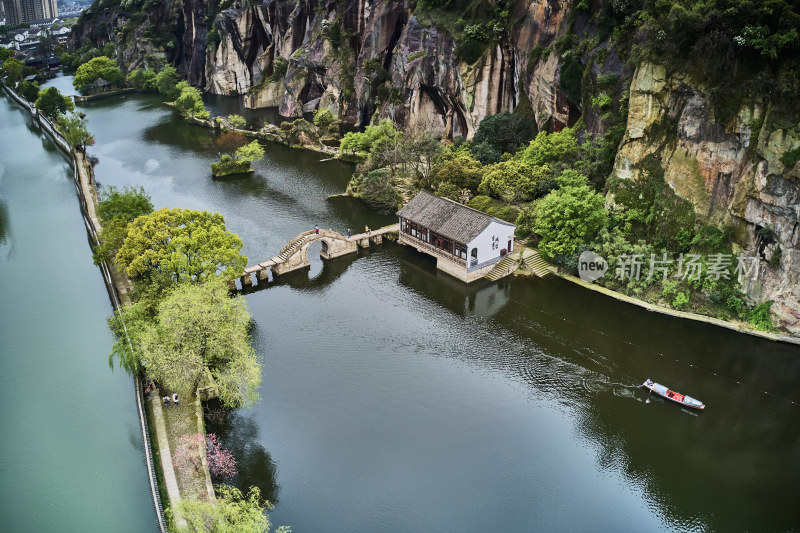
483, 242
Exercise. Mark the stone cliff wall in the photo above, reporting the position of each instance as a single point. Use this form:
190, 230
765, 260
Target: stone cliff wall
732, 174
359, 57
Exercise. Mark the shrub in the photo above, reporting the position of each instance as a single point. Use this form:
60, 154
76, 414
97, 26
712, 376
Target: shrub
680, 301
568, 217
504, 132
237, 121
791, 157
760, 317
324, 119
571, 76
469, 51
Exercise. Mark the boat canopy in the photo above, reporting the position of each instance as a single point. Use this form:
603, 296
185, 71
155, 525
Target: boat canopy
660, 389
691, 401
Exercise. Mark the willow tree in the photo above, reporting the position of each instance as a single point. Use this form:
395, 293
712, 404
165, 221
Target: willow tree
233, 512
197, 326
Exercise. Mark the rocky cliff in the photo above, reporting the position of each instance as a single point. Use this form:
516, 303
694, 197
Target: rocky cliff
732, 173
359, 58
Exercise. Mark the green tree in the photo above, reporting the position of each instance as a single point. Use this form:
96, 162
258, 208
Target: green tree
420, 151
376, 187
73, 128
556, 147
241, 161
5, 53
166, 81
486, 153
177, 245
51, 102
250, 152
569, 217
514, 180
143, 79
457, 166
355, 142
116, 210
504, 132
372, 138
97, 70
29, 90
130, 326
324, 119
190, 101
199, 326
449, 190
12, 70
233, 512
127, 204
237, 121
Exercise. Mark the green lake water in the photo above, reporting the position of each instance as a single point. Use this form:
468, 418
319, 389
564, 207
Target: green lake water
70, 440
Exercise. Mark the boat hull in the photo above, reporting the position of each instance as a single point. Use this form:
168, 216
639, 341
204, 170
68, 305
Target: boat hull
675, 397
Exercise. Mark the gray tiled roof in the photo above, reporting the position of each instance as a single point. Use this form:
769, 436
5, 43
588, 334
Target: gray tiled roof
446, 217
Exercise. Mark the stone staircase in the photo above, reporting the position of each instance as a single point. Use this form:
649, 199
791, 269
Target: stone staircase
506, 266
292, 247
535, 263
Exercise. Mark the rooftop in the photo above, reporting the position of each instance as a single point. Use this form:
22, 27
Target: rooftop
447, 218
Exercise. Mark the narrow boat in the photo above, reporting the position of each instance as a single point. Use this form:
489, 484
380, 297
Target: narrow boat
673, 396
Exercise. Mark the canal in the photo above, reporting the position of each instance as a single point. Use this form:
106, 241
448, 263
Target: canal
72, 451
395, 398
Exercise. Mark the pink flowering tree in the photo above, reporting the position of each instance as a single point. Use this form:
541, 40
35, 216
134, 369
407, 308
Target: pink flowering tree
187, 455
220, 460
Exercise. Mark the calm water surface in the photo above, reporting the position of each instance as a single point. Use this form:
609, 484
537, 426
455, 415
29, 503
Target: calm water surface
71, 444
397, 399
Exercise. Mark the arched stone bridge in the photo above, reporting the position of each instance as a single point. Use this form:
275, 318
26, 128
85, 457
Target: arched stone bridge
294, 255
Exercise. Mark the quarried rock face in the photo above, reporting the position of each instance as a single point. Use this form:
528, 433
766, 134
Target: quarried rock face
731, 174
178, 25
359, 58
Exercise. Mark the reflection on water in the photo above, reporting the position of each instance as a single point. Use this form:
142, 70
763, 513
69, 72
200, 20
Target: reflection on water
5, 242
220, 105
239, 434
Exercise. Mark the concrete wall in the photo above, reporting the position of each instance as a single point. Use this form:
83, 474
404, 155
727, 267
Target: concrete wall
461, 273
483, 242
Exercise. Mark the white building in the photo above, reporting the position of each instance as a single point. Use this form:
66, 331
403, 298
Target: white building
466, 242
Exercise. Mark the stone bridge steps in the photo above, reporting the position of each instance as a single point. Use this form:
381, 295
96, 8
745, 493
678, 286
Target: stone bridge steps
504, 267
536, 263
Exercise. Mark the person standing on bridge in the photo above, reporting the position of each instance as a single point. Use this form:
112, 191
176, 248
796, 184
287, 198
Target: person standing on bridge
316, 229
349, 233
366, 230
